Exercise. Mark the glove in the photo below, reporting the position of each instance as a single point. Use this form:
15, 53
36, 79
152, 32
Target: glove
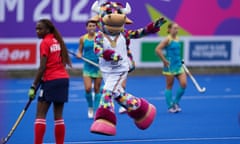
110, 55
159, 22
154, 27
116, 57
132, 67
32, 92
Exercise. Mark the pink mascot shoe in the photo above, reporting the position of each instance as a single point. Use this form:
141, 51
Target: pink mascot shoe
144, 115
104, 123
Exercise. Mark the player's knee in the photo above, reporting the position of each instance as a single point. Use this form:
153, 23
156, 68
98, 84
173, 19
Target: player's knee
169, 86
88, 89
183, 85
41, 115
97, 89
58, 116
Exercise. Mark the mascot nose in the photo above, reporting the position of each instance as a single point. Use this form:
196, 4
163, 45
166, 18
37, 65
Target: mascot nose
110, 16
114, 19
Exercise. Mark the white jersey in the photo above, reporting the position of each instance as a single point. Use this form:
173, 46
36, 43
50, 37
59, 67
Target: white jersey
121, 49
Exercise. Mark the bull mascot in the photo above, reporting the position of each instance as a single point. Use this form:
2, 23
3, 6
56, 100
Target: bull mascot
111, 45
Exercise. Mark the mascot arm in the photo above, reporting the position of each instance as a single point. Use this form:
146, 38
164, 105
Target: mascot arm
98, 44
151, 28
130, 56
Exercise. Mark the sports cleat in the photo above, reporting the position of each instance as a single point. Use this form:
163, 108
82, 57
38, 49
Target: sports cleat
172, 110
90, 113
177, 107
122, 110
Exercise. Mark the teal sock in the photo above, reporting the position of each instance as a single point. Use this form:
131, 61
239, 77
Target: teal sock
168, 96
89, 99
179, 94
97, 99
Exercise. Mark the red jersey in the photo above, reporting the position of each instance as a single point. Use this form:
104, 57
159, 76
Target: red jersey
50, 48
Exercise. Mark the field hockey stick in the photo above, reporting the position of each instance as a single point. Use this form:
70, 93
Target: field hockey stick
85, 59
5, 139
201, 90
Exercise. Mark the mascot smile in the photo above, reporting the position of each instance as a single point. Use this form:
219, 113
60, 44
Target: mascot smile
112, 46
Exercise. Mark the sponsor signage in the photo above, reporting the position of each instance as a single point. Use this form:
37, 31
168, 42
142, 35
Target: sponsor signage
148, 53
210, 50
17, 54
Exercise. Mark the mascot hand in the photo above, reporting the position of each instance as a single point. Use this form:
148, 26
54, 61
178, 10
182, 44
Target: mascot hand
110, 55
116, 57
132, 66
154, 27
159, 22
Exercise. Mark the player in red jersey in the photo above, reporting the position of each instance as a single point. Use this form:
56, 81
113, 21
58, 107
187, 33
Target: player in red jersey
55, 80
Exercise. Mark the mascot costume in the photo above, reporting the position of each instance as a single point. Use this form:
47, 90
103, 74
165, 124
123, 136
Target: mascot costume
111, 45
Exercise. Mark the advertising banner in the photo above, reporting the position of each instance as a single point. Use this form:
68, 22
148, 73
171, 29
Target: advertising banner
210, 50
196, 51
18, 55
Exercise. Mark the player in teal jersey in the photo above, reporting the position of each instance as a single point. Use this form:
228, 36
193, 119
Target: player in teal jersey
91, 73
172, 61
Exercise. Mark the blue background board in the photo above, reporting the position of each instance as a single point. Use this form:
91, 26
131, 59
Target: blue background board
210, 50
210, 118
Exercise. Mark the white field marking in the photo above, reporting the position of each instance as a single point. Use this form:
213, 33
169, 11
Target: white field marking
157, 98
155, 140
74, 85
14, 91
227, 89
73, 95
11, 91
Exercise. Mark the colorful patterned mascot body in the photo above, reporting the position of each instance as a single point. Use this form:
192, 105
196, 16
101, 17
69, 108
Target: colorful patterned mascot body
111, 47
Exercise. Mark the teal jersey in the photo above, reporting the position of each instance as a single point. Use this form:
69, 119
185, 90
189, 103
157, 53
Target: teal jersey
88, 52
88, 49
173, 55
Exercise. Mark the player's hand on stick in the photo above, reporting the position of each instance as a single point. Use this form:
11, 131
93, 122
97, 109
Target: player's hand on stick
32, 92
79, 55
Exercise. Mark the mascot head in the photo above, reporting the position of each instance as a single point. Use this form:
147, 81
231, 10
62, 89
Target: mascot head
111, 16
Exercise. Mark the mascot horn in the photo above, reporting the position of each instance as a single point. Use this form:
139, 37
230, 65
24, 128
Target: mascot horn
111, 45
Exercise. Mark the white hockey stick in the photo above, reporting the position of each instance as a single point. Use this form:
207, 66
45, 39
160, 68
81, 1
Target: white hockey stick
201, 90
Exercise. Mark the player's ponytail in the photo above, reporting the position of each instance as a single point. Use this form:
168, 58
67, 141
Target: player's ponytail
57, 35
64, 52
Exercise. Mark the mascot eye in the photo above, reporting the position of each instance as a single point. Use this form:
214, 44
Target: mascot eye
119, 11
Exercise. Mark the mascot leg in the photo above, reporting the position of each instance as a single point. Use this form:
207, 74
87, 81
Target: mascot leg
139, 109
105, 119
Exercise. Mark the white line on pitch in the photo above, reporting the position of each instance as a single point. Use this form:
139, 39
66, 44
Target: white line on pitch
154, 140
15, 91
157, 98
